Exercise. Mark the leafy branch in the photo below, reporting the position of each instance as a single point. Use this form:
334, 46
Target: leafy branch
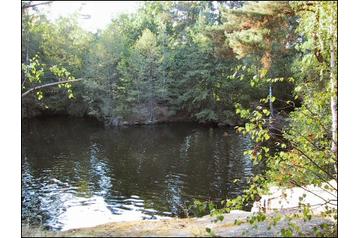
49, 85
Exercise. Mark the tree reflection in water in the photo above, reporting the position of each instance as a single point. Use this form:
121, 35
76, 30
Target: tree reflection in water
77, 173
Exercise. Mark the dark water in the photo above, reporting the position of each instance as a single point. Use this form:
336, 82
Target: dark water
77, 173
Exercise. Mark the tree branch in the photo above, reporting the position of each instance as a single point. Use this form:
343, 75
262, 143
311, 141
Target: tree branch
49, 85
34, 5
313, 162
23, 82
311, 142
309, 159
314, 173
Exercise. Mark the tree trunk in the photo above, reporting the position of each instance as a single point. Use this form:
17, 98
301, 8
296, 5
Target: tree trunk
27, 55
270, 97
333, 85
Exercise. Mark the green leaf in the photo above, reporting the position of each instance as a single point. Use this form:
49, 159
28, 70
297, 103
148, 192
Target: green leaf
266, 112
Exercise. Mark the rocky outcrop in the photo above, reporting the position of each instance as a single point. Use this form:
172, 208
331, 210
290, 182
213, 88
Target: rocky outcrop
190, 227
318, 197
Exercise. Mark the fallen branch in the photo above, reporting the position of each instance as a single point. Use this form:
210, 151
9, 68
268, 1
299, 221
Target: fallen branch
49, 85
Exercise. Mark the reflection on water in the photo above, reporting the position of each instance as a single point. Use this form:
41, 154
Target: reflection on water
76, 173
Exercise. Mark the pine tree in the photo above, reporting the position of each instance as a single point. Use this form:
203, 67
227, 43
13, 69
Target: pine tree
261, 31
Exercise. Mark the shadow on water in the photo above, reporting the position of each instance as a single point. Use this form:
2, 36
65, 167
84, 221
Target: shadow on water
75, 173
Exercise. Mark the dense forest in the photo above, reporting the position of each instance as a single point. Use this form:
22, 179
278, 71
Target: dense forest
168, 60
269, 68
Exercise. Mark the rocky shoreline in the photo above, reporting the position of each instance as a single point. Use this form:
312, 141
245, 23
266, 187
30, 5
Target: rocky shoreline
188, 227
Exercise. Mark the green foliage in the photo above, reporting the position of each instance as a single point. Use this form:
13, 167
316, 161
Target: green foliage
325, 230
199, 209
300, 151
287, 232
213, 63
210, 232
165, 54
60, 46
33, 71
256, 218
39, 95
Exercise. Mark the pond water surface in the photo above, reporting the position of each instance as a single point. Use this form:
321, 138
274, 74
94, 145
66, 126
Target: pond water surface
76, 173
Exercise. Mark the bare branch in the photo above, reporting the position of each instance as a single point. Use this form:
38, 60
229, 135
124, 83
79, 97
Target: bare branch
49, 85
294, 146
313, 162
23, 82
311, 142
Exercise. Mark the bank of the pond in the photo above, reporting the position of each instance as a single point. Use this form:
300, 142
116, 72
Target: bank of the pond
139, 115
185, 227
